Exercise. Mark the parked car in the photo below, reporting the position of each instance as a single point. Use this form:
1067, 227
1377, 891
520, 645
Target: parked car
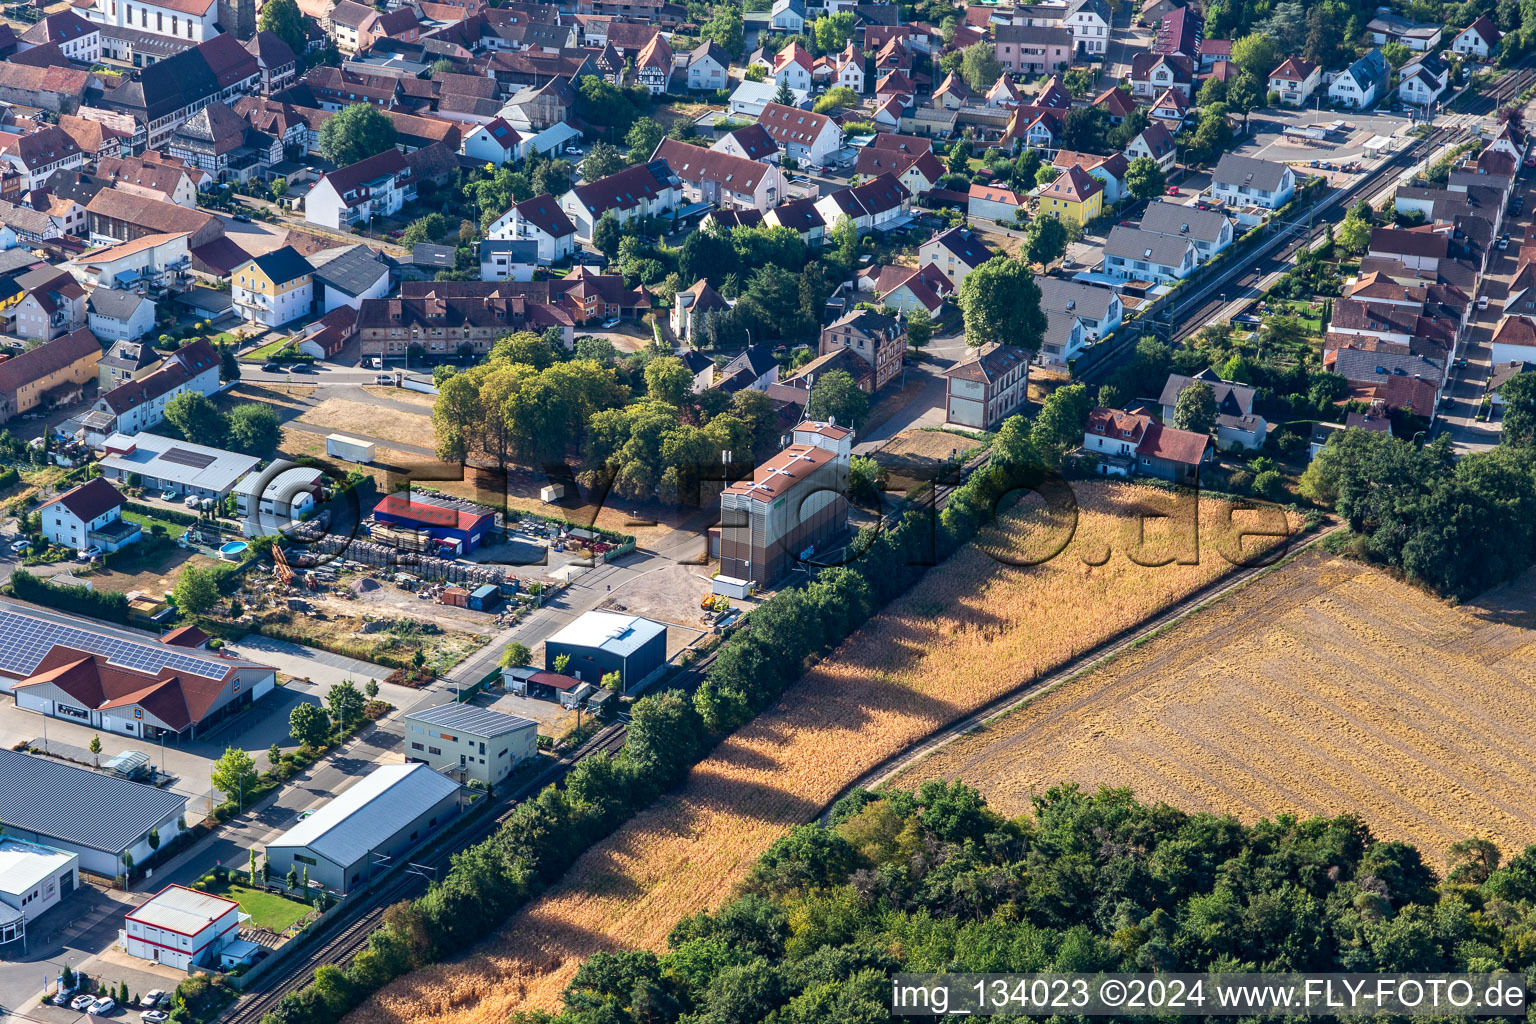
192, 501
1504, 242
63, 996
152, 999
154, 1017
86, 554
1482, 302
243, 218
102, 1006
271, 368
384, 379
610, 323
167, 495
21, 547
82, 1002
1173, 190
300, 368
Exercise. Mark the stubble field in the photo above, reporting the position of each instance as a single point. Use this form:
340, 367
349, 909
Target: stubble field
1323, 687
972, 630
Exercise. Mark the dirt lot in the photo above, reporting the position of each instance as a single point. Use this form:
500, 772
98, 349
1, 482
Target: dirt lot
401, 395
152, 581
386, 601
915, 455
666, 595
1326, 687
294, 442
973, 629
370, 421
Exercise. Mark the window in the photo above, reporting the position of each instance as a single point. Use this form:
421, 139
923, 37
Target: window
416, 746
433, 750
305, 860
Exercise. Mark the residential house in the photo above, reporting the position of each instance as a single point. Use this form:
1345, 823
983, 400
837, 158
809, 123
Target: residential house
954, 253
644, 190
508, 260
53, 304
879, 340
276, 60
800, 216
909, 158
693, 311
536, 108
751, 142
1137, 255
87, 517
1154, 141
880, 204
192, 20
540, 220
1209, 230
1116, 103
1421, 248
1213, 52
1295, 80
753, 370
47, 375
77, 39
275, 288
1127, 443
986, 387
750, 99
1479, 39
653, 67
850, 68
328, 336
1170, 109
1387, 27
150, 261
1237, 425
442, 318
728, 182
1363, 84
1099, 309
223, 144
1075, 197
1395, 380
1423, 81
1030, 49
139, 404
1514, 340
1063, 339
1354, 421
165, 94
125, 360
496, 142
1249, 181
787, 16
1501, 374
807, 138
991, 202
792, 66
905, 289
153, 175
118, 315
345, 275
1089, 23
1179, 32
37, 156
709, 66
1154, 73
376, 187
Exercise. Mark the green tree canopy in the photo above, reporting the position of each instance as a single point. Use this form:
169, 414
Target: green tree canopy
1257, 54
1001, 302
196, 590
602, 160
282, 19
1144, 178
355, 133
1518, 394
254, 429
234, 773
837, 395
308, 724
196, 419
1195, 409
1045, 240
980, 67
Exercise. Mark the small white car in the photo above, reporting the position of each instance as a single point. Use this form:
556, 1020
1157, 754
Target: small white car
151, 999
167, 495
610, 323
102, 1006
192, 501
86, 554
82, 1002
20, 547
1482, 302
154, 1016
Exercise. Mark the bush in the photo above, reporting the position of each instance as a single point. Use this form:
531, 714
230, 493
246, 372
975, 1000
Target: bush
97, 604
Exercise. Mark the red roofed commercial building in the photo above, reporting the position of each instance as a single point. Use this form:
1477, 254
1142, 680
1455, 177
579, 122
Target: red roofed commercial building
1131, 442
795, 503
449, 524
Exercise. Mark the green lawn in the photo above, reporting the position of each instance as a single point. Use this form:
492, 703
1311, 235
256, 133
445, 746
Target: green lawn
267, 910
267, 351
172, 530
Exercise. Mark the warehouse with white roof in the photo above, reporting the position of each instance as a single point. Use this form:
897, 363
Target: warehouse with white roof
473, 742
368, 828
33, 879
96, 817
166, 464
602, 642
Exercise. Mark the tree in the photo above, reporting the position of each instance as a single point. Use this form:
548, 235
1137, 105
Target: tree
517, 655
424, 229
196, 591
355, 133
832, 31
1086, 130
1196, 408
562, 662
606, 234
783, 96
1079, 82
229, 363
919, 327
254, 429
726, 27
282, 19
979, 66
1001, 302
346, 703
309, 725
1045, 240
371, 689
643, 137
196, 419
275, 753
1353, 234
668, 380
234, 774
602, 160
1144, 178
95, 749
292, 878
836, 395
1257, 54
1397, 54
837, 96
1518, 394
1059, 426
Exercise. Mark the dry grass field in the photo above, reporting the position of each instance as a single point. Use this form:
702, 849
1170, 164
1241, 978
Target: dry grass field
371, 421
1323, 687
913, 456
972, 630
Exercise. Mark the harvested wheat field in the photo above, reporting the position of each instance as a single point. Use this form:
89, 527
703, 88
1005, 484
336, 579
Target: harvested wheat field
1323, 687
372, 421
974, 628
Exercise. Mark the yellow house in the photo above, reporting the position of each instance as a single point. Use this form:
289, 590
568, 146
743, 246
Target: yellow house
54, 373
274, 288
1074, 196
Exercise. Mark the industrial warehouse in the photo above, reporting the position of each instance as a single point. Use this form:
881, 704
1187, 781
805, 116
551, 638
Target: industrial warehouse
599, 643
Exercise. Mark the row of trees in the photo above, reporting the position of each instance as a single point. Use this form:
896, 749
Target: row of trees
252, 428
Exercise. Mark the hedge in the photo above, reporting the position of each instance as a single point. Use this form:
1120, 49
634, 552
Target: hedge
97, 604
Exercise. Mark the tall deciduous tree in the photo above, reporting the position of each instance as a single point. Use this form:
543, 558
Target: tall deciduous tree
837, 395
1195, 409
979, 66
1144, 178
234, 773
1519, 397
1045, 240
1001, 302
282, 19
309, 725
196, 591
355, 133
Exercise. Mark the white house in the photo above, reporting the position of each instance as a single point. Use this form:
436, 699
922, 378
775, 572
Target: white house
115, 315
494, 142
508, 259
1155, 141
1132, 254
750, 98
1210, 231
76, 38
993, 202
180, 927
1063, 339
876, 205
1096, 307
191, 20
1479, 39
802, 136
376, 187
644, 190
792, 66
1088, 21
88, 516
1387, 27
729, 182
541, 220
955, 253
1295, 80
850, 68
788, 16
709, 66
346, 275
1362, 84
1423, 81
1248, 181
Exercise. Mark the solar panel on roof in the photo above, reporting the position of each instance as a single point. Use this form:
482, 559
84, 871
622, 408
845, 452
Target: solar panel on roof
185, 457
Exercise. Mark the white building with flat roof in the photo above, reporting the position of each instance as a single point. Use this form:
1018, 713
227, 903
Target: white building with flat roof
166, 464
288, 491
33, 879
474, 742
180, 927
